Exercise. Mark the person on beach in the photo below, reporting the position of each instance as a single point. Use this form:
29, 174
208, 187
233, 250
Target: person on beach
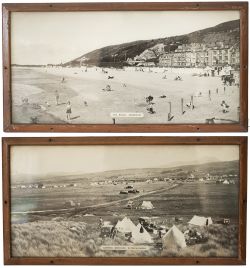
25, 100
68, 111
225, 107
47, 103
57, 97
150, 108
189, 105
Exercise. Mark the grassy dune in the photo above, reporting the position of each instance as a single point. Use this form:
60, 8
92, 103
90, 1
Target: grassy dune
60, 238
63, 239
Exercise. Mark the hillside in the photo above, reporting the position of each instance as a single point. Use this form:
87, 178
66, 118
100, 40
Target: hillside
227, 32
213, 168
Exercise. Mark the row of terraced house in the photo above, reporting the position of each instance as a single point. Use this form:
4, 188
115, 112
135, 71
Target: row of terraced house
201, 55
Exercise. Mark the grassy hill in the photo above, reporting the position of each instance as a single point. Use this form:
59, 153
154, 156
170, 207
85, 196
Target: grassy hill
227, 32
213, 168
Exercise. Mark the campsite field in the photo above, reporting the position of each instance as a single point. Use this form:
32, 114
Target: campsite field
129, 90
106, 200
75, 232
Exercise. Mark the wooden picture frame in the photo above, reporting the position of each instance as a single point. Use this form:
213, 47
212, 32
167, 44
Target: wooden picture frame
242, 7
7, 144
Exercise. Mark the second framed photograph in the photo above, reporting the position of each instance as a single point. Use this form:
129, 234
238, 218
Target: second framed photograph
125, 200
125, 67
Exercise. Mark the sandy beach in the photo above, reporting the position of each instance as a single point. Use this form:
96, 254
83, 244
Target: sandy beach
129, 89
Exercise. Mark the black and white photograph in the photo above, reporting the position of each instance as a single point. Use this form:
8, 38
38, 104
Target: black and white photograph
124, 201
118, 67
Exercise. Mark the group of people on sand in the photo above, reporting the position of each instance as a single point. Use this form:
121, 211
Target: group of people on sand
68, 106
150, 109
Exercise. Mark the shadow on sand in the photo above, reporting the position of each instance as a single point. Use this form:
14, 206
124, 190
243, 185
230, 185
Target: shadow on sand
72, 118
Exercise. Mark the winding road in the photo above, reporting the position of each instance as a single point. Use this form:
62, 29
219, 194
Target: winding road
97, 205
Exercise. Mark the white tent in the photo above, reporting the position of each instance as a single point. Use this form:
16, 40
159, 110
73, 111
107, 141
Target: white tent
105, 223
208, 69
125, 226
197, 94
227, 69
139, 237
222, 72
173, 239
225, 182
147, 205
200, 221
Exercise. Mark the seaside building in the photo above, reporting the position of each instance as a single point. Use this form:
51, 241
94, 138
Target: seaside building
201, 55
235, 55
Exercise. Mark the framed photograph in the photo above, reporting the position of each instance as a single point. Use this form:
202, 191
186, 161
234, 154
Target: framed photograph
110, 200
125, 67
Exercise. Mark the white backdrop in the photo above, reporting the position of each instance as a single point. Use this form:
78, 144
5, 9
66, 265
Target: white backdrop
95, 134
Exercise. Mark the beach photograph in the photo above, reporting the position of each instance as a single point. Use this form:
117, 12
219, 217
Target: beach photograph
126, 67
122, 201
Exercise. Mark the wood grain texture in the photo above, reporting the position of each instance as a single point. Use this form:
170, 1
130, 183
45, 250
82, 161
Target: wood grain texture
71, 7
109, 141
125, 6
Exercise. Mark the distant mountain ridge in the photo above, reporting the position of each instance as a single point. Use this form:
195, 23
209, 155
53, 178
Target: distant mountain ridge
227, 32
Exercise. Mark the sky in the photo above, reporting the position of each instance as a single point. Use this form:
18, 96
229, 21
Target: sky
42, 160
55, 37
